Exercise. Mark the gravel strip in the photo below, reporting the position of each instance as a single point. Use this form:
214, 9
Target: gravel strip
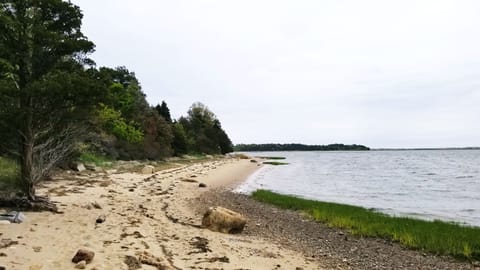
332, 248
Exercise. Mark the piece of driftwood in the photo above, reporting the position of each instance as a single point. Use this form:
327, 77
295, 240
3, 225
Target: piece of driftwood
22, 203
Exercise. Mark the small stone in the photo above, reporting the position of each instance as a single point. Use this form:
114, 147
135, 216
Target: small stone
148, 169
79, 167
202, 185
81, 265
132, 262
96, 205
101, 219
37, 249
83, 255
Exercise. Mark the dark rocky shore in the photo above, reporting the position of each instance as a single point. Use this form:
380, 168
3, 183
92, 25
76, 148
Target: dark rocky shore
332, 248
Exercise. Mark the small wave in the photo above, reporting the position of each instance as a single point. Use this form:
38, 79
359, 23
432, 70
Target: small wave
441, 190
464, 176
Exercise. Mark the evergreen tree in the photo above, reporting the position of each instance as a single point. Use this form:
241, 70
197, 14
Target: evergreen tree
180, 140
164, 111
204, 131
43, 82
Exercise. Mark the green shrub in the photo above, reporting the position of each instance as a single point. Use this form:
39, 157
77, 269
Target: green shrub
9, 174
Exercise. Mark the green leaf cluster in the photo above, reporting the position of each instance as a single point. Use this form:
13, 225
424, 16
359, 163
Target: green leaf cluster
113, 121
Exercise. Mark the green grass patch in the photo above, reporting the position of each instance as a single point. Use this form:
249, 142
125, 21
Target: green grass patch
271, 158
275, 163
9, 174
436, 237
98, 160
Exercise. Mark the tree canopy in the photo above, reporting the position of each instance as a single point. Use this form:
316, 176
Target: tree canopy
204, 131
44, 83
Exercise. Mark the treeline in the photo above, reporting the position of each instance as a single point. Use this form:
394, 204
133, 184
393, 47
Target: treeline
55, 103
124, 126
299, 147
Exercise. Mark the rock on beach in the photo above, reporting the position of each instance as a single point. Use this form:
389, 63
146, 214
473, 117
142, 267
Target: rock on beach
83, 255
148, 169
223, 220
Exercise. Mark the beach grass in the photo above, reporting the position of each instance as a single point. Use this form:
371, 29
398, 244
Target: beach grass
275, 163
437, 237
9, 173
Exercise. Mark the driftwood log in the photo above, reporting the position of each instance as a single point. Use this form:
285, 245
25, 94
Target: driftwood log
22, 203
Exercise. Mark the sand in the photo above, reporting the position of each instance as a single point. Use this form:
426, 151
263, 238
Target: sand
149, 214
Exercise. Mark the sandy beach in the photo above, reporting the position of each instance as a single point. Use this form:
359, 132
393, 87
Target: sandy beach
153, 221
147, 217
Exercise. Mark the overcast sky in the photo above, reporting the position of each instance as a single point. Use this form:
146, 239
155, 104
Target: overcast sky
379, 73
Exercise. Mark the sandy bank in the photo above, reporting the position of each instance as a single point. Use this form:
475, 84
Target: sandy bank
148, 214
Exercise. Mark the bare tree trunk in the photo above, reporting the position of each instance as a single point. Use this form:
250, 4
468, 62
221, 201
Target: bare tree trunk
26, 158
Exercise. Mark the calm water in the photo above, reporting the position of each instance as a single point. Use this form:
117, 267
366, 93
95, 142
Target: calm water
424, 184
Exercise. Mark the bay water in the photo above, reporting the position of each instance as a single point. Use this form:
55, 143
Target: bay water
426, 184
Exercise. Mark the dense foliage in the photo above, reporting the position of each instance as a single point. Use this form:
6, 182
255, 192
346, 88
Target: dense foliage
55, 103
203, 131
299, 147
44, 86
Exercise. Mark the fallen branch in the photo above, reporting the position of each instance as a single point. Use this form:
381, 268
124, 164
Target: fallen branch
22, 203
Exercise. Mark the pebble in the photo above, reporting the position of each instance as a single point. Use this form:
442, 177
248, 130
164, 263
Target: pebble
81, 265
83, 255
101, 219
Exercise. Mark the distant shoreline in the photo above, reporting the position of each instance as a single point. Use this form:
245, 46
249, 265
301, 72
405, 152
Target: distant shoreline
425, 148
298, 147
333, 148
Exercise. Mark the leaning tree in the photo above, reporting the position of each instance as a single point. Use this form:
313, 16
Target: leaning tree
45, 89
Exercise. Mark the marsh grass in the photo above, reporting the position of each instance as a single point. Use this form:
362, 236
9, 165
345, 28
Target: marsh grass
275, 163
9, 173
436, 237
271, 158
